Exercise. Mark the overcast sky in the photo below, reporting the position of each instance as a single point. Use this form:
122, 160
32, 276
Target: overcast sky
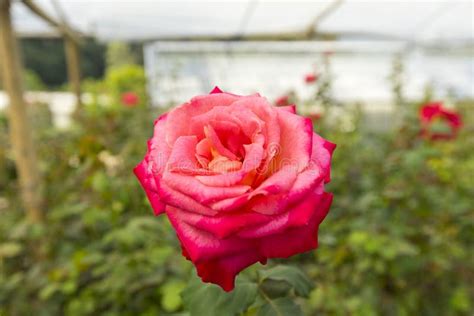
119, 19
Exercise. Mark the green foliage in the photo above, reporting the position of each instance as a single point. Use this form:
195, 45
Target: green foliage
126, 78
210, 300
31, 81
290, 277
119, 54
397, 241
46, 58
282, 307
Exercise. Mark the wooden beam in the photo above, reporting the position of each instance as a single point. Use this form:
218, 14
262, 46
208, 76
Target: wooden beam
19, 126
313, 26
62, 27
308, 33
71, 46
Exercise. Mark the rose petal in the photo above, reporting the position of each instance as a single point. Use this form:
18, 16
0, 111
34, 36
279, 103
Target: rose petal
148, 183
297, 215
172, 197
223, 271
176, 123
201, 245
299, 239
288, 108
158, 150
200, 192
183, 157
253, 157
295, 147
222, 226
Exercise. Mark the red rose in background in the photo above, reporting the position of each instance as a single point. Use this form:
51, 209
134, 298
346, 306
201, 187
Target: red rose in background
130, 99
328, 53
314, 116
310, 78
438, 122
240, 180
282, 101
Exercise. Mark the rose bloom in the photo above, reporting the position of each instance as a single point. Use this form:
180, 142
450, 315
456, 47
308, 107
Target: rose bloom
130, 99
310, 78
439, 123
282, 101
240, 180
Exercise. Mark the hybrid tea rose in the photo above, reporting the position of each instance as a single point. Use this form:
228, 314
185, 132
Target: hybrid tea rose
439, 123
240, 180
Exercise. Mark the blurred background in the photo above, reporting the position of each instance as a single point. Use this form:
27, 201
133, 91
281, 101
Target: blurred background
82, 82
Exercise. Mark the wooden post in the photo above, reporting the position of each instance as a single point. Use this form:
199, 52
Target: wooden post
19, 127
73, 68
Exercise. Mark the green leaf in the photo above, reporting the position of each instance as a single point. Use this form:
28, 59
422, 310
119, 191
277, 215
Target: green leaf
275, 288
291, 275
171, 298
210, 300
10, 249
283, 306
99, 181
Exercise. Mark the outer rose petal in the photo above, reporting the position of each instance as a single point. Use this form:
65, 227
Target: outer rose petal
289, 108
295, 148
298, 239
201, 245
298, 215
175, 198
224, 225
306, 181
220, 260
158, 151
216, 90
148, 183
154, 162
223, 271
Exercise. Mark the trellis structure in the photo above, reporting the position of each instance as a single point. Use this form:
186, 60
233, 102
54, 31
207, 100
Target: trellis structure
19, 126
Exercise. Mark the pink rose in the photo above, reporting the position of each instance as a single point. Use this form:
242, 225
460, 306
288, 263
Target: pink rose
240, 180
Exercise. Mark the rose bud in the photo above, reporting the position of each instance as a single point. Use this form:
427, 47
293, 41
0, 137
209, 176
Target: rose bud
130, 99
240, 180
311, 77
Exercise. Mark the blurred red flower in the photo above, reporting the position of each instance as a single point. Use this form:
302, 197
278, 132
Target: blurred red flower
439, 123
314, 116
282, 101
328, 53
130, 99
310, 78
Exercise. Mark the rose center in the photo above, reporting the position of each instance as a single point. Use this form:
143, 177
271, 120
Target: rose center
220, 153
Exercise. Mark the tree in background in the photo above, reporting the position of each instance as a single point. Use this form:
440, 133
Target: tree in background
119, 54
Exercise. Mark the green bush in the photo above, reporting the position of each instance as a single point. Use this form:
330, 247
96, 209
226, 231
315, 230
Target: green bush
397, 241
126, 78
